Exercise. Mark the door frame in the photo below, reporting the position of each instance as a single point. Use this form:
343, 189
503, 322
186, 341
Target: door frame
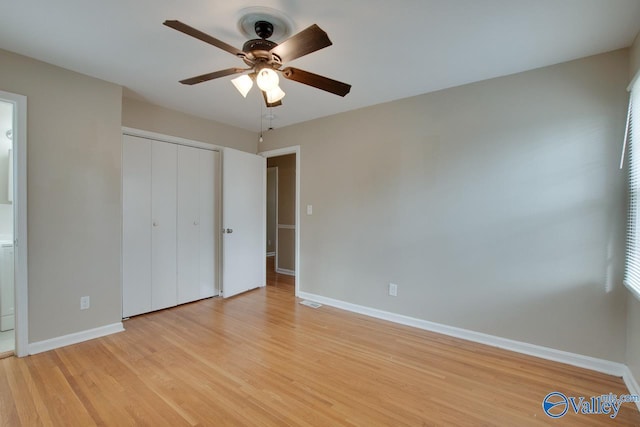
21, 293
281, 152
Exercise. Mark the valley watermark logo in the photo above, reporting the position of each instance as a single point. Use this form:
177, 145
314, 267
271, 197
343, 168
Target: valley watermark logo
556, 404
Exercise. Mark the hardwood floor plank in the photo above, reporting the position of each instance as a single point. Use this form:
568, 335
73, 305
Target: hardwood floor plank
8, 410
261, 358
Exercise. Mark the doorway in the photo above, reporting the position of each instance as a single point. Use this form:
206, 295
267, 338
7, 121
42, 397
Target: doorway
13, 225
7, 287
283, 217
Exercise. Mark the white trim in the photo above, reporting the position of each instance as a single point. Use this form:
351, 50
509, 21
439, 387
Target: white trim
285, 271
280, 152
579, 360
75, 338
21, 280
270, 254
631, 383
264, 222
170, 139
287, 226
634, 80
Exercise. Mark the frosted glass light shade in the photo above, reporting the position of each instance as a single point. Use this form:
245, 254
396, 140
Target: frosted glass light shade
275, 95
267, 79
243, 84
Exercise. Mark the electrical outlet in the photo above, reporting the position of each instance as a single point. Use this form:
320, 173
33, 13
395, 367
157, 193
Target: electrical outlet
393, 289
85, 303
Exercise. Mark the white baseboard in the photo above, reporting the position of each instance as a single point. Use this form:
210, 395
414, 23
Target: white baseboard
270, 254
579, 360
77, 337
631, 383
285, 271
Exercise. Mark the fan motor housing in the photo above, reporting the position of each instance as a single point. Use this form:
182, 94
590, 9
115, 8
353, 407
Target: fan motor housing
258, 44
258, 50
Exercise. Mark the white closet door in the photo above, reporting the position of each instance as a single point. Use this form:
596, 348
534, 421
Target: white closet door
188, 223
244, 218
136, 227
163, 215
209, 224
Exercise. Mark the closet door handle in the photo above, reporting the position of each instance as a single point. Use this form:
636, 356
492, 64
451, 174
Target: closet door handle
155, 223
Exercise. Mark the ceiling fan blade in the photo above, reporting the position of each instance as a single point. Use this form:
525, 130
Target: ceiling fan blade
273, 104
211, 76
303, 43
190, 31
316, 81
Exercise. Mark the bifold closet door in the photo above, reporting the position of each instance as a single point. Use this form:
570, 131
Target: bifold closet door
188, 224
196, 221
163, 224
170, 220
195, 224
209, 221
136, 227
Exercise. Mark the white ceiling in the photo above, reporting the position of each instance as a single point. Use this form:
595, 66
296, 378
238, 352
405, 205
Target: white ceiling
386, 49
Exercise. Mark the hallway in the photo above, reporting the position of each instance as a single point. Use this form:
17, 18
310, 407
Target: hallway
282, 281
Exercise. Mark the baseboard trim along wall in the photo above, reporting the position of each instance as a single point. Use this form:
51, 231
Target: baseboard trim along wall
75, 338
285, 271
579, 360
631, 383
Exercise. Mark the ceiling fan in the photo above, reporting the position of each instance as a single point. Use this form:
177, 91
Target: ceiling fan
265, 59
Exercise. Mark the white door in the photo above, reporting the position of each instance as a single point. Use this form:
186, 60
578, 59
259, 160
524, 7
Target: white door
243, 222
209, 221
188, 224
197, 187
136, 227
163, 230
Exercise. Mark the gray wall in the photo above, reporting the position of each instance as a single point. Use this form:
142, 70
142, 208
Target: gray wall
142, 115
74, 209
496, 206
272, 220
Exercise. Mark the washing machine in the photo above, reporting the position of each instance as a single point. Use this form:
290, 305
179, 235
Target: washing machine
7, 287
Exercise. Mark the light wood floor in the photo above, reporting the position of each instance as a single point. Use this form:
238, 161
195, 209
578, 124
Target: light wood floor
283, 281
263, 359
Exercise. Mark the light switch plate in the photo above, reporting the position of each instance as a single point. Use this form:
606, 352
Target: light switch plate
309, 209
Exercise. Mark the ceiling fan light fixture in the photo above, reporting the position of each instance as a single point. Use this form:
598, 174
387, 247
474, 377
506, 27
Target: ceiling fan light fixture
243, 84
274, 95
267, 79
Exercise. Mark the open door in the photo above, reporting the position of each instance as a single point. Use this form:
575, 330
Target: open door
243, 222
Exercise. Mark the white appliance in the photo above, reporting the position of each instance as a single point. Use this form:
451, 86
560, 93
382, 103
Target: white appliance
6, 286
